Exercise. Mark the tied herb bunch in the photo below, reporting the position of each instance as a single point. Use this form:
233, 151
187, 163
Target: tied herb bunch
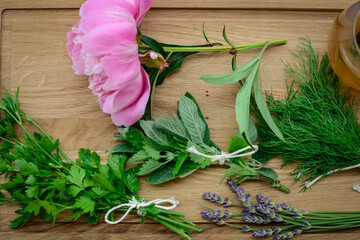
318, 120
44, 181
284, 221
167, 149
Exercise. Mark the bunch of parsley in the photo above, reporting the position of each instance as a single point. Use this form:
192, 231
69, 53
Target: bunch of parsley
44, 181
161, 148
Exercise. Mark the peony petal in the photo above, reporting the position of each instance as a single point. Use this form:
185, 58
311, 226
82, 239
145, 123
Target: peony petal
74, 48
120, 69
141, 7
132, 113
95, 13
112, 39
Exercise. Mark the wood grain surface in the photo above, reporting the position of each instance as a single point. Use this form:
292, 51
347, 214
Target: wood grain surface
34, 58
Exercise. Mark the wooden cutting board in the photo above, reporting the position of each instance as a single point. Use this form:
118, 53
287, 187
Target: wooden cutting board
34, 58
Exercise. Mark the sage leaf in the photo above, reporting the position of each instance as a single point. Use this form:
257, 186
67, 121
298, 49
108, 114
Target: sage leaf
237, 75
261, 104
242, 107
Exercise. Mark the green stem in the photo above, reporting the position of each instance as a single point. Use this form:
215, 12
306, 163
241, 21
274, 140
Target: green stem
154, 85
240, 47
29, 119
170, 220
170, 226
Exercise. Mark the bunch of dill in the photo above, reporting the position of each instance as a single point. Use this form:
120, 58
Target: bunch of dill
317, 117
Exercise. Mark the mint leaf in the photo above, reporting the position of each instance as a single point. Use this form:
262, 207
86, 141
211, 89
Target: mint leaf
179, 162
135, 137
237, 143
150, 166
188, 113
151, 151
172, 127
140, 156
268, 173
156, 135
124, 147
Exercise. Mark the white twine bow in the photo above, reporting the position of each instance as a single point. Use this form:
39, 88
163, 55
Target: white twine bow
221, 158
133, 203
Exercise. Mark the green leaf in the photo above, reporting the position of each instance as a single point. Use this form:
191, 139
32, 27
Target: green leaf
175, 64
155, 134
188, 113
237, 143
32, 192
140, 156
242, 105
48, 144
237, 171
76, 176
98, 191
204, 34
26, 168
151, 151
171, 127
31, 180
102, 180
74, 190
135, 137
153, 44
181, 158
115, 163
165, 173
268, 173
50, 208
252, 131
33, 207
226, 38
131, 181
93, 220
85, 203
261, 104
20, 221
124, 147
235, 76
150, 166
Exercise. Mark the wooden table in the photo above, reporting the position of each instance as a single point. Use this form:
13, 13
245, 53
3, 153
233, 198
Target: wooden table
34, 58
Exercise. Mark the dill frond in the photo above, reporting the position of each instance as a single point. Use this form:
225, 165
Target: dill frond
317, 117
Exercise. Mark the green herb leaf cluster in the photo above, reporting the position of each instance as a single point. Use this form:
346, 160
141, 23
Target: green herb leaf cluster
317, 118
162, 147
45, 182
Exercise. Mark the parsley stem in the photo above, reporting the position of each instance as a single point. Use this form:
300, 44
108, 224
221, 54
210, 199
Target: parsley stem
29, 119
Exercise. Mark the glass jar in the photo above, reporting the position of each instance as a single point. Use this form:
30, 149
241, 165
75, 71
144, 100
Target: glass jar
344, 41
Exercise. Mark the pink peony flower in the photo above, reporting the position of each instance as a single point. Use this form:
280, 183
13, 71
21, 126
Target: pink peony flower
103, 46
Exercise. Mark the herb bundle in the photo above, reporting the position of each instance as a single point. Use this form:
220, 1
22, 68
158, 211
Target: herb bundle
44, 181
318, 120
288, 220
167, 149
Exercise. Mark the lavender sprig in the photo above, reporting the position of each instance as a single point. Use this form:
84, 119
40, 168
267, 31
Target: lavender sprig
291, 221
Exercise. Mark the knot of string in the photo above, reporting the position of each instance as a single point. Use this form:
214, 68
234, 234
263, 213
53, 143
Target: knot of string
221, 158
133, 203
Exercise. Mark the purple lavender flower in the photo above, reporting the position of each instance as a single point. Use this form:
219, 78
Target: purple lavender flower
283, 236
259, 233
217, 199
264, 200
278, 218
307, 227
297, 231
276, 230
245, 228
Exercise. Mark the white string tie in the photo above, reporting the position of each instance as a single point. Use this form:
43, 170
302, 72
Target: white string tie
221, 158
309, 184
133, 203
